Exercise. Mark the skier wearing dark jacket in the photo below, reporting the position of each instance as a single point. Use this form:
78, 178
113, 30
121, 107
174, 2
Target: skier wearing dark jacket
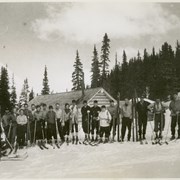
95, 122
142, 109
85, 119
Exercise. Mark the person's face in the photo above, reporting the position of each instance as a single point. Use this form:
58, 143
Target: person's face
67, 107
85, 104
51, 109
73, 103
7, 111
126, 101
26, 107
14, 110
111, 103
175, 96
158, 100
95, 104
44, 108
103, 109
57, 106
142, 99
38, 109
33, 107
21, 112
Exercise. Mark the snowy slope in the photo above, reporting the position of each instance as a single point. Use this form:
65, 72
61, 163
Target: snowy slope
109, 160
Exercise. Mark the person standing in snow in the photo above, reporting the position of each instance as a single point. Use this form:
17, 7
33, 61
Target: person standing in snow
95, 122
66, 121
6, 122
38, 124
158, 109
174, 107
126, 119
142, 109
74, 121
105, 120
58, 112
51, 124
21, 128
44, 113
113, 111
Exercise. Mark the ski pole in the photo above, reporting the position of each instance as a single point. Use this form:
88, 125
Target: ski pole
88, 124
9, 132
34, 140
57, 132
167, 133
177, 121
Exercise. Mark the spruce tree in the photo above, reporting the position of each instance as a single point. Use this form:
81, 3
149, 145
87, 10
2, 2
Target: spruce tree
13, 98
4, 90
77, 75
31, 95
95, 78
46, 88
24, 97
105, 50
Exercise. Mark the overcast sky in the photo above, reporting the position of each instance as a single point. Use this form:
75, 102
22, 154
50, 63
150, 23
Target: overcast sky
33, 35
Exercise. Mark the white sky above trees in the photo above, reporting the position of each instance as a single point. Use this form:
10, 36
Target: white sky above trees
33, 35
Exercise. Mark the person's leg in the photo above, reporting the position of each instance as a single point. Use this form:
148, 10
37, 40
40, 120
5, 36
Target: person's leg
123, 128
178, 126
129, 122
173, 125
140, 123
13, 135
23, 134
93, 128
97, 130
144, 124
107, 129
156, 124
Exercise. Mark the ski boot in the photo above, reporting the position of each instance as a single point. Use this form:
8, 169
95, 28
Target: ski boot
172, 138
106, 141
73, 140
67, 141
77, 140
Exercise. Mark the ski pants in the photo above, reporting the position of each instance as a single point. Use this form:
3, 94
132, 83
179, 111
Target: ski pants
51, 131
39, 130
104, 130
85, 125
60, 129
159, 122
13, 134
21, 131
67, 127
32, 131
95, 126
174, 121
126, 123
142, 123
6, 130
111, 127
74, 126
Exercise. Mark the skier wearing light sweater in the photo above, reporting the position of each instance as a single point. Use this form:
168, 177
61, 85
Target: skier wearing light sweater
105, 120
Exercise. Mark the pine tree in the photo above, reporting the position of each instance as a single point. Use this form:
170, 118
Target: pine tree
13, 98
31, 95
46, 88
77, 75
4, 90
24, 97
95, 78
105, 50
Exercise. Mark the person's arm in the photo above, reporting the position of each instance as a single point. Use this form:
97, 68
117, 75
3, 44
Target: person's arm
25, 120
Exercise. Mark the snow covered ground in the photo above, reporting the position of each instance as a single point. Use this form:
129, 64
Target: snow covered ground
127, 160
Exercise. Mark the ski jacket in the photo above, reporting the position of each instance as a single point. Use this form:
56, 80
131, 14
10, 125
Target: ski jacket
127, 111
84, 111
157, 108
44, 114
174, 107
66, 115
74, 114
13, 119
95, 112
6, 119
37, 116
113, 111
22, 120
142, 108
28, 114
58, 114
104, 118
51, 117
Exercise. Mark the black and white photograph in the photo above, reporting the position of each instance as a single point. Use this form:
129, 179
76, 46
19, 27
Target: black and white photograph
89, 89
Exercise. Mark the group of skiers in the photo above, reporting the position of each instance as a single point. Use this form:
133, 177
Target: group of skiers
42, 124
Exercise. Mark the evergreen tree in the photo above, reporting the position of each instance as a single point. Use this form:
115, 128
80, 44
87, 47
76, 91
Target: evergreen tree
24, 97
13, 98
31, 95
4, 90
95, 78
46, 88
77, 75
105, 50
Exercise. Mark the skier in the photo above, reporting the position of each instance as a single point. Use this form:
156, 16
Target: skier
44, 123
105, 120
38, 124
21, 128
6, 122
30, 123
74, 120
95, 122
126, 119
33, 108
66, 122
13, 121
158, 109
142, 109
51, 126
58, 112
113, 111
86, 120
175, 115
